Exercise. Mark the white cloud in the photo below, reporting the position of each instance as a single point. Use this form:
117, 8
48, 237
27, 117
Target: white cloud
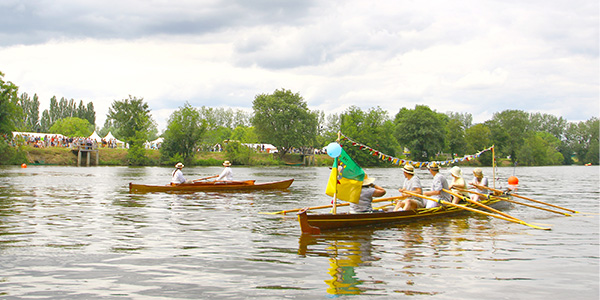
468, 56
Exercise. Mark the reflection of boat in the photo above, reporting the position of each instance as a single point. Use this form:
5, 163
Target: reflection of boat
211, 186
315, 223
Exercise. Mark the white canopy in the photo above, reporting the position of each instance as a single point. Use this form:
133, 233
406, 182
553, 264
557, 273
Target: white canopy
95, 137
110, 136
36, 134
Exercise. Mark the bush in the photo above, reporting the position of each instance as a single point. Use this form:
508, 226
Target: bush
10, 155
238, 154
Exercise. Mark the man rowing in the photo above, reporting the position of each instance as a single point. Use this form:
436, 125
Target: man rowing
367, 192
178, 175
437, 186
412, 183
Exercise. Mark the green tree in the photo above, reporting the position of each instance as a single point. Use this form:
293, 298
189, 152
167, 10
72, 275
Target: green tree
72, 127
10, 112
184, 133
509, 130
284, 120
421, 130
244, 135
372, 128
31, 113
455, 136
539, 149
479, 137
133, 123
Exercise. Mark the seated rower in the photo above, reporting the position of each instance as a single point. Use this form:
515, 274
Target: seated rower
479, 181
178, 175
412, 183
367, 192
227, 173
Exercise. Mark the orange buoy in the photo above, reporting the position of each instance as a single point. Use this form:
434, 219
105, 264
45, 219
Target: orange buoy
23, 166
513, 180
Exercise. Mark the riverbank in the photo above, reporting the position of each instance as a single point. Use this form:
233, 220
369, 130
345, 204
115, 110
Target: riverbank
118, 157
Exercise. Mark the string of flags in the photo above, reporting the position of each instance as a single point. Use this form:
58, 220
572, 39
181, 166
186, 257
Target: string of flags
416, 164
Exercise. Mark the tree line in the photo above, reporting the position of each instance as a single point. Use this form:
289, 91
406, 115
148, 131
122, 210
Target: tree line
282, 118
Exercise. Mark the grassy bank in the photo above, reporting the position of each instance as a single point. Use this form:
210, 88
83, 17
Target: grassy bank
118, 157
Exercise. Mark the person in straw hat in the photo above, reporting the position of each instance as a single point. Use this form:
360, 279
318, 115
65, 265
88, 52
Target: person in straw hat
367, 192
177, 177
412, 183
479, 180
457, 182
227, 173
438, 184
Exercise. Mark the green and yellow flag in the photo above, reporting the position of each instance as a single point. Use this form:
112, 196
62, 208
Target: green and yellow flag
346, 179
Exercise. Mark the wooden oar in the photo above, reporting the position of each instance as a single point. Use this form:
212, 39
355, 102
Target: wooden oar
209, 177
283, 212
522, 197
477, 211
480, 204
517, 202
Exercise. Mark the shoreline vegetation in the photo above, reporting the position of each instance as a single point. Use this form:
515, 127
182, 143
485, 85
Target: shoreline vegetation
118, 157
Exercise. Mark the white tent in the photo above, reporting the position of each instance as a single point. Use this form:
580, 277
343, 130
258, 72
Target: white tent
95, 137
154, 144
110, 136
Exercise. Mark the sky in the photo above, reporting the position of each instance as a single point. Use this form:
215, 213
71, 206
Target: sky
479, 57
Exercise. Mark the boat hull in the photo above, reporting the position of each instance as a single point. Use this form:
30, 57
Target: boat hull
315, 223
211, 186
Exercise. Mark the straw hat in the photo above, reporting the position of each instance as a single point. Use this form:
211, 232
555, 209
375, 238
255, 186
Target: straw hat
226, 163
179, 166
433, 166
408, 168
368, 181
456, 171
478, 172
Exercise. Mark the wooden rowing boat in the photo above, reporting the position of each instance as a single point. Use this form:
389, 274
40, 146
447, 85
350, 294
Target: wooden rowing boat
211, 186
315, 223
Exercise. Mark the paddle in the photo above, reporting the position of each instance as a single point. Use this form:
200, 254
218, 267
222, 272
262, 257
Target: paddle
517, 202
479, 204
477, 211
209, 177
283, 212
522, 197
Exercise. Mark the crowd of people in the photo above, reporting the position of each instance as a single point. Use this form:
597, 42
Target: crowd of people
45, 140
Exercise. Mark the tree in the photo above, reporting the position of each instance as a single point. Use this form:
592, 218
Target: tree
539, 149
479, 137
372, 128
420, 130
184, 133
455, 136
133, 123
72, 127
10, 112
31, 113
509, 129
284, 120
244, 135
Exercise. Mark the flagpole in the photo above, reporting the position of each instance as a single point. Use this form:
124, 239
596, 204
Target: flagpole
494, 165
334, 208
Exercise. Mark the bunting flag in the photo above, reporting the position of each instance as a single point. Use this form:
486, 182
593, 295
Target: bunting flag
345, 180
416, 164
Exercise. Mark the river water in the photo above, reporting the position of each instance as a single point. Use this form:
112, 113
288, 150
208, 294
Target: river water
77, 233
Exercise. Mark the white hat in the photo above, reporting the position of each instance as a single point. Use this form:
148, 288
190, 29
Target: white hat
456, 171
478, 172
179, 165
408, 168
226, 163
368, 181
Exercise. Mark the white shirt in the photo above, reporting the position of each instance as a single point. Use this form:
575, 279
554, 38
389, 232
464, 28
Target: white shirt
227, 174
178, 177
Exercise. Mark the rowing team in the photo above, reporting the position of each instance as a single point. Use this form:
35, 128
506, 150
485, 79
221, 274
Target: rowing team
178, 178
439, 188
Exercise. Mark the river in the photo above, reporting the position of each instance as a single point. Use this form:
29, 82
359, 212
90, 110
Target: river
77, 233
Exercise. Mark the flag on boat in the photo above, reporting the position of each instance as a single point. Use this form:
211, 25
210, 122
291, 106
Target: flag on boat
346, 179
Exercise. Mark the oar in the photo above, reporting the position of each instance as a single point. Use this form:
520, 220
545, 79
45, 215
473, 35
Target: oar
522, 197
480, 204
517, 202
477, 211
209, 177
283, 212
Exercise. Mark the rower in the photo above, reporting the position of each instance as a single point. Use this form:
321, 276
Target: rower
227, 173
178, 175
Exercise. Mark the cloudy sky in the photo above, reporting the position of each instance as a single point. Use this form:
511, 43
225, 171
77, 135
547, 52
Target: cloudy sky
478, 57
